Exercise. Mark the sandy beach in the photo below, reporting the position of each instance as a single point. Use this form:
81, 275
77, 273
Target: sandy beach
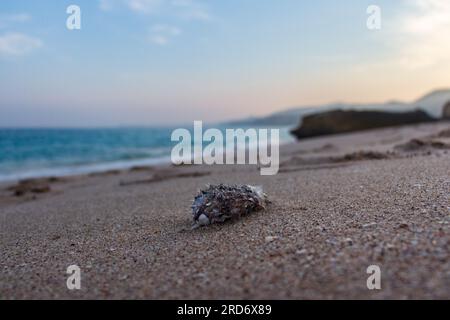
339, 204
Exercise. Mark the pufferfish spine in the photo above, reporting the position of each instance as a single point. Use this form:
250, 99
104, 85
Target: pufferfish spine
219, 203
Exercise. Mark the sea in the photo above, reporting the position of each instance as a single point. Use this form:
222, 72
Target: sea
39, 152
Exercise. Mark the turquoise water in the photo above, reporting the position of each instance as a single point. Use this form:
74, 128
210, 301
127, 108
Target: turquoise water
26, 153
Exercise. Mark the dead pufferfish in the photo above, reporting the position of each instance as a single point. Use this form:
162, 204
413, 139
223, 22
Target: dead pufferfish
219, 203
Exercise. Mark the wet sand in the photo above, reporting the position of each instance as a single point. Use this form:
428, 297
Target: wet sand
339, 205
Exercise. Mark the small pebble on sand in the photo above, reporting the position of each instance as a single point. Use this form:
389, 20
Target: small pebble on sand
348, 241
270, 239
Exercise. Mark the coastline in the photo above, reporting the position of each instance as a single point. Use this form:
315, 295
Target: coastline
59, 171
72, 171
339, 204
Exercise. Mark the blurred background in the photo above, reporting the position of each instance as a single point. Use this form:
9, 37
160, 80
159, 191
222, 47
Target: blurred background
109, 95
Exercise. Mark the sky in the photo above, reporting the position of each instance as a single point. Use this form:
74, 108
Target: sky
164, 62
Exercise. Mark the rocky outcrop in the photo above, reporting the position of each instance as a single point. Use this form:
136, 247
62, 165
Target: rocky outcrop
339, 121
446, 111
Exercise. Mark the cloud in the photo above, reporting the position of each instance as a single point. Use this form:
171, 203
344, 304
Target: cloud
186, 9
18, 44
8, 19
191, 10
144, 6
173, 10
162, 34
423, 32
106, 5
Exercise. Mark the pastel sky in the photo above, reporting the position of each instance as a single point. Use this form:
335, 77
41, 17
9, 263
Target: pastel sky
159, 62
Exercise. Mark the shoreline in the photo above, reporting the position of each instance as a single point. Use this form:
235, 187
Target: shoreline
103, 167
72, 171
164, 161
